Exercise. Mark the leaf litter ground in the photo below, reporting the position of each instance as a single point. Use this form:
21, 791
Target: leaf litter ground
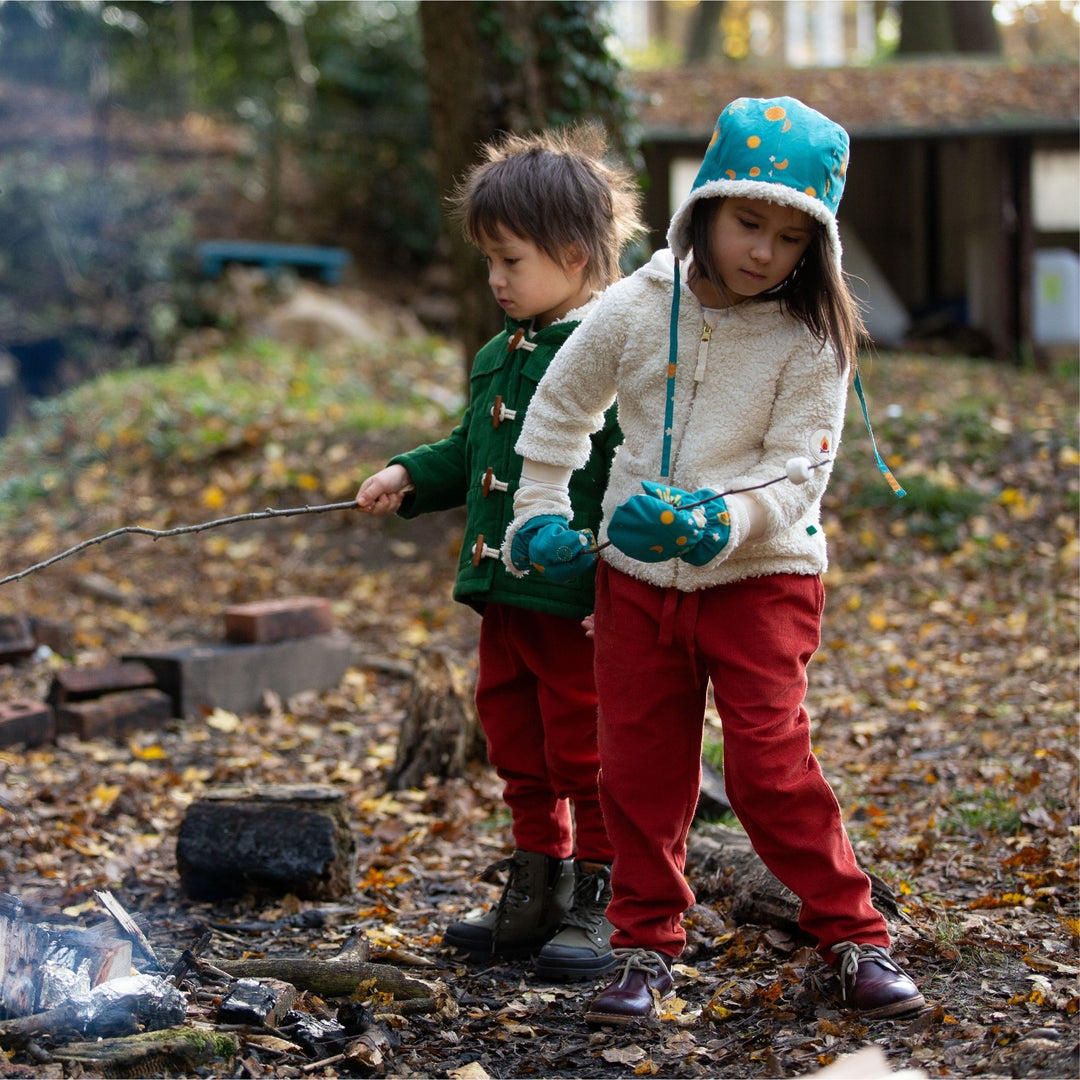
943, 700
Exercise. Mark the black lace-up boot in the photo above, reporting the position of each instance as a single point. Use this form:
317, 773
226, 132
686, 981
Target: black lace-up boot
532, 907
580, 949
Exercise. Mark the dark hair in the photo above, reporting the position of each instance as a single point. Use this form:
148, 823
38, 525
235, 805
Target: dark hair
553, 188
815, 292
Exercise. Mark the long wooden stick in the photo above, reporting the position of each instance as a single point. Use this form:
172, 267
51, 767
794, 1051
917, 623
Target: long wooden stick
157, 534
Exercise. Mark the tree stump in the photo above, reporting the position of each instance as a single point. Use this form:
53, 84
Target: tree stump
440, 735
722, 862
278, 839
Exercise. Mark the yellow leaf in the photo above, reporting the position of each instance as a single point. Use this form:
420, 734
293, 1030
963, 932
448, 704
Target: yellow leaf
416, 634
147, 753
877, 621
139, 623
223, 720
213, 497
307, 482
104, 795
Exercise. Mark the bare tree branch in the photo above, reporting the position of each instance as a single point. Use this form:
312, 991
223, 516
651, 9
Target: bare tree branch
157, 534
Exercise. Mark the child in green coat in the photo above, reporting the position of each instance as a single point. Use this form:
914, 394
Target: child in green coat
551, 219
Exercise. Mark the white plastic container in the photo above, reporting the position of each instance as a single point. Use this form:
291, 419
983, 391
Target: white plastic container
1056, 300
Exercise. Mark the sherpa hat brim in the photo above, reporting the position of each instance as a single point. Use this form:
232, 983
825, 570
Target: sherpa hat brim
678, 235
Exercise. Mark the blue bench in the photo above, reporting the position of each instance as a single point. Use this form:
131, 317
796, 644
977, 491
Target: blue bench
329, 261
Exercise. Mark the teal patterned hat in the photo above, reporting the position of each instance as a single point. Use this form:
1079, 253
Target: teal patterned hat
776, 149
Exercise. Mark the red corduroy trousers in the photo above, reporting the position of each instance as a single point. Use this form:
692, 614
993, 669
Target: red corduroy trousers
656, 651
536, 700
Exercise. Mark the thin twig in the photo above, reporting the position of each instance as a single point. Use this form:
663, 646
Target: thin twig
157, 534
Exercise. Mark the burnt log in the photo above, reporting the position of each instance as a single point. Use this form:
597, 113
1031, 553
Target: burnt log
257, 1002
721, 862
275, 840
440, 734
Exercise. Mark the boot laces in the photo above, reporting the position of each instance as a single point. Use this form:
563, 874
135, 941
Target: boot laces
515, 893
587, 904
637, 960
849, 954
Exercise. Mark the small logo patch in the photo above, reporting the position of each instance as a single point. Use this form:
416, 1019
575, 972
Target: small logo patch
821, 444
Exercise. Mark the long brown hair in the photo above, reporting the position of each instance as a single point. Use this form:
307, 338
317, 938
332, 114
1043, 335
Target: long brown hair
815, 292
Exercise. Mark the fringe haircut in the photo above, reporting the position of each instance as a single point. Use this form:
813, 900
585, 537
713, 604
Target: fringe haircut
816, 292
554, 188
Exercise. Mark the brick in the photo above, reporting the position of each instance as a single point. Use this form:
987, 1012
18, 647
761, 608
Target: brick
58, 636
85, 683
202, 678
277, 620
114, 714
29, 722
17, 640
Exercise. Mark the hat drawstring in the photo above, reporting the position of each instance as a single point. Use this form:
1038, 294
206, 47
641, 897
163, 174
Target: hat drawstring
673, 359
885, 470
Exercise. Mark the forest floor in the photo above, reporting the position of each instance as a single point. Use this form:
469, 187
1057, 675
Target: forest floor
943, 698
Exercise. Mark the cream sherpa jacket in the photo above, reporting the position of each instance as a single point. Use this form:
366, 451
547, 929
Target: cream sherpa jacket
757, 393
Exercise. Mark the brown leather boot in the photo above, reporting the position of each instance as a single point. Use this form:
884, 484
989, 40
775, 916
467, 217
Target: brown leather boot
644, 979
872, 985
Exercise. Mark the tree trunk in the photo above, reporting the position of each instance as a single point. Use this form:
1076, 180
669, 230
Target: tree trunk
276, 839
945, 26
975, 29
508, 65
463, 115
925, 27
702, 31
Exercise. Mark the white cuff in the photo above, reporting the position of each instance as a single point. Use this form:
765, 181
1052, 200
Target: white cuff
557, 475
747, 519
543, 490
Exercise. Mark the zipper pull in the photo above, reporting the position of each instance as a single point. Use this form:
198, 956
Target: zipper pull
703, 352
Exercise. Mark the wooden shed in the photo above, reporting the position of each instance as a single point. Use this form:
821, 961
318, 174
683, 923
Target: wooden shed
964, 175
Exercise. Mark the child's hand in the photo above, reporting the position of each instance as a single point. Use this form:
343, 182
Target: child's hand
588, 624
548, 545
655, 526
384, 491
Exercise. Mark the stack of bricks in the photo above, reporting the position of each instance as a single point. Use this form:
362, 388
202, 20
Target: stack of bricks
285, 646
22, 720
108, 702
281, 646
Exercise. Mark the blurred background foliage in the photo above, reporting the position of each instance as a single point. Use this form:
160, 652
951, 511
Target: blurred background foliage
311, 122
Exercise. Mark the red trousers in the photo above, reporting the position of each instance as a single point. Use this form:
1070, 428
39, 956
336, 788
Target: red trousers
656, 651
536, 700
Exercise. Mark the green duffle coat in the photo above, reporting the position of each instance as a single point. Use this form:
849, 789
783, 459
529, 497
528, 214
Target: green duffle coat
475, 465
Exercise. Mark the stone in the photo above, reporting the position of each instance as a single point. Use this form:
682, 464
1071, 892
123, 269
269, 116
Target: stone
201, 678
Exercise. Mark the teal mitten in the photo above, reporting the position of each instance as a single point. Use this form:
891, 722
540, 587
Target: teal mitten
654, 527
548, 545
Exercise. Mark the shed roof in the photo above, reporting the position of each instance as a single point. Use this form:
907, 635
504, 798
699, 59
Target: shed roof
918, 98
